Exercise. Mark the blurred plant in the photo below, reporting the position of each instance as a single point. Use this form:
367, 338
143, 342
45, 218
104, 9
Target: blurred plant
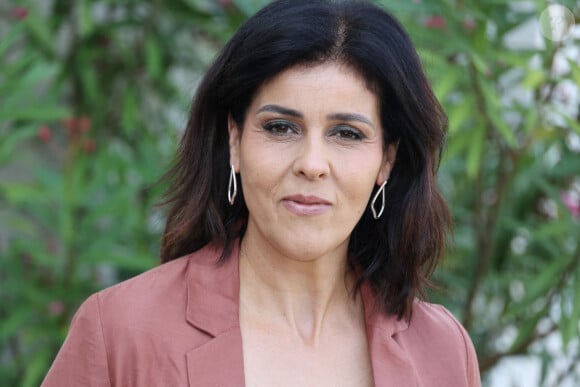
511, 172
92, 94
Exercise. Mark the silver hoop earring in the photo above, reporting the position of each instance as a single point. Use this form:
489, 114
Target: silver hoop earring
232, 186
381, 192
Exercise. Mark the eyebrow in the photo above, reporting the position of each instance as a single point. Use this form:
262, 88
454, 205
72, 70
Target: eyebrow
280, 110
351, 117
334, 116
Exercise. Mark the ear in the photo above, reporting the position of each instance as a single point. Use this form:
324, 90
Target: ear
389, 157
234, 141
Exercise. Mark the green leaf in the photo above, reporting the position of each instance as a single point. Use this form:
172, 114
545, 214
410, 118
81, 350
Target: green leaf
531, 120
12, 323
122, 258
36, 367
40, 32
90, 84
573, 124
446, 84
533, 79
548, 231
153, 56
24, 78
35, 113
460, 114
86, 24
21, 193
570, 324
495, 111
507, 132
130, 114
479, 63
575, 67
475, 152
527, 329
10, 36
10, 142
539, 286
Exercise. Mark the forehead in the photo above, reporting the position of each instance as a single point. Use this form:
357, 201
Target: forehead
329, 81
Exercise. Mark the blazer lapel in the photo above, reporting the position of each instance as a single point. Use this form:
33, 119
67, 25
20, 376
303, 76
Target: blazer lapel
217, 363
390, 364
212, 307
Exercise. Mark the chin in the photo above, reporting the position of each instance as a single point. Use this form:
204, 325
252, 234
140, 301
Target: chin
311, 248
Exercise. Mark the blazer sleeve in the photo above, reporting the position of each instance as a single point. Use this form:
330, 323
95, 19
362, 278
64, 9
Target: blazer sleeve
471, 363
82, 360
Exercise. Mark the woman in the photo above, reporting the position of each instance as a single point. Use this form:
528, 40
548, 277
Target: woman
304, 222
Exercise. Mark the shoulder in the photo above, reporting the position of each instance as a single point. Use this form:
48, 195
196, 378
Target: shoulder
165, 277
437, 334
434, 326
150, 299
135, 332
162, 289
434, 318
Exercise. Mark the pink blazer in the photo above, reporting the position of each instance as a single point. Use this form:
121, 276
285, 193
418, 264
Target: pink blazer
177, 325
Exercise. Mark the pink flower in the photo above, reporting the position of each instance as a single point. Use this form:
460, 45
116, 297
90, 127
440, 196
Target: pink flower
84, 124
571, 200
469, 24
89, 145
55, 308
76, 125
44, 134
435, 22
20, 13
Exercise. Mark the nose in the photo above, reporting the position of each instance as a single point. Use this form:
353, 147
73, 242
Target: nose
311, 159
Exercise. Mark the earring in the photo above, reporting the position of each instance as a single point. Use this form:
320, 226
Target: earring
381, 191
232, 186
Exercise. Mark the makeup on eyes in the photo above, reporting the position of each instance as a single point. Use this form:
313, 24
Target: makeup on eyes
342, 129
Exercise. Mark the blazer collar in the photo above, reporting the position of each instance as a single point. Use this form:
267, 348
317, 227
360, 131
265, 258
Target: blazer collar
390, 362
213, 290
213, 308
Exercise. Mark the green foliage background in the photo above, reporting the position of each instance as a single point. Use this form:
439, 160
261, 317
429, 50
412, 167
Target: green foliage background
93, 95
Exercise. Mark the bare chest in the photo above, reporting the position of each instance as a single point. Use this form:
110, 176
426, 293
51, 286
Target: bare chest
341, 361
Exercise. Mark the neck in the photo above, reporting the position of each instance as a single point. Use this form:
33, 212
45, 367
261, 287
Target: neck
310, 298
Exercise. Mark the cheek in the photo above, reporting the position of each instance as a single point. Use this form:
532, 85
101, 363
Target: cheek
261, 163
358, 193
258, 176
359, 174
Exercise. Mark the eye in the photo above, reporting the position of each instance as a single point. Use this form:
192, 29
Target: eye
280, 127
344, 132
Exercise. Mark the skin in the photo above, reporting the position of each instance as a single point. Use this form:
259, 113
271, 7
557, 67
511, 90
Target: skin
309, 154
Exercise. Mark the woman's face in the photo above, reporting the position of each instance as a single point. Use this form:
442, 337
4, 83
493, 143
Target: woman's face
309, 154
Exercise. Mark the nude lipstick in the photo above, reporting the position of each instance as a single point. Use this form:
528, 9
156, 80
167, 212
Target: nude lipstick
303, 205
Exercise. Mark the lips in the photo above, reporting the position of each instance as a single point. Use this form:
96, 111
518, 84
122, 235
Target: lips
302, 205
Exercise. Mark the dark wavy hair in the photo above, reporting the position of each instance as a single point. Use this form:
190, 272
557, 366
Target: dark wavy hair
397, 253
